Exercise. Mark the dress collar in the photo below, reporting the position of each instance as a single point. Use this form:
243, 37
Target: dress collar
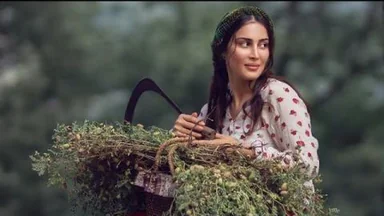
240, 115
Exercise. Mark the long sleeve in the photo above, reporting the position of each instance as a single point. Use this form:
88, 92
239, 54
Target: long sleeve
290, 127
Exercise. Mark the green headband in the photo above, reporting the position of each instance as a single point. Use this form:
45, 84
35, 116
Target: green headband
230, 17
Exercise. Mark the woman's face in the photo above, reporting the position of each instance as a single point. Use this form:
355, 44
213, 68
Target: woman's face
247, 52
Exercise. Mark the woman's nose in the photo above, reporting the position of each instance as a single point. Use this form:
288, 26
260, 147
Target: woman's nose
254, 53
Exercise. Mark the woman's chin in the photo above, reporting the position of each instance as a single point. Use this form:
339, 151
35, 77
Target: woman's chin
250, 76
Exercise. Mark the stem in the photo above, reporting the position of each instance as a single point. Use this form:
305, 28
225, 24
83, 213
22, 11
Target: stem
163, 146
170, 157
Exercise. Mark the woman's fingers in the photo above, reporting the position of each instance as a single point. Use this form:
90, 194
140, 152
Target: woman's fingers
192, 119
223, 139
212, 143
189, 122
179, 134
219, 136
207, 142
179, 129
185, 123
189, 126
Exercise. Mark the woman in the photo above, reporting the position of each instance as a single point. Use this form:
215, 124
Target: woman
248, 105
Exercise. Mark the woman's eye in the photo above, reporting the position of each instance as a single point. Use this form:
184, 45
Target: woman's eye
244, 44
264, 45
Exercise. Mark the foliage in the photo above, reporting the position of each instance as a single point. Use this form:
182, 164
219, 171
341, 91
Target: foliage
91, 161
96, 163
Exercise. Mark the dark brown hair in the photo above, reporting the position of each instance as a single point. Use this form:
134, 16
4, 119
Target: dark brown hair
219, 96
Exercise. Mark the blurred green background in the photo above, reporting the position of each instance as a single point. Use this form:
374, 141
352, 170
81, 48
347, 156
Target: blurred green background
69, 61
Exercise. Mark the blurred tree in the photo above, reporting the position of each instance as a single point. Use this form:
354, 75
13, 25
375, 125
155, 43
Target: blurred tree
46, 77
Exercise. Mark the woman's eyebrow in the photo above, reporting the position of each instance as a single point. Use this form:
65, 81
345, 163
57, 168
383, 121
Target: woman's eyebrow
249, 39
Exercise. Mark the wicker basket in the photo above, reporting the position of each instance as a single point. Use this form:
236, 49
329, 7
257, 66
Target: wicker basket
159, 187
157, 205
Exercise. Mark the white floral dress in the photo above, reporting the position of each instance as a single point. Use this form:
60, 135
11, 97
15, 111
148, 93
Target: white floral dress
284, 126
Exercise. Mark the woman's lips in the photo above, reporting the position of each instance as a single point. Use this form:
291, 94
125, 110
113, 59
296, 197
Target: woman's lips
252, 67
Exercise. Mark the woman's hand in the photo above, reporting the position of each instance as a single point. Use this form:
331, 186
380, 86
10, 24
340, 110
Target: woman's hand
232, 144
220, 139
224, 139
184, 124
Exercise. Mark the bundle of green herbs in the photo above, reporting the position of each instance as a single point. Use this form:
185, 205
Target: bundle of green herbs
96, 164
